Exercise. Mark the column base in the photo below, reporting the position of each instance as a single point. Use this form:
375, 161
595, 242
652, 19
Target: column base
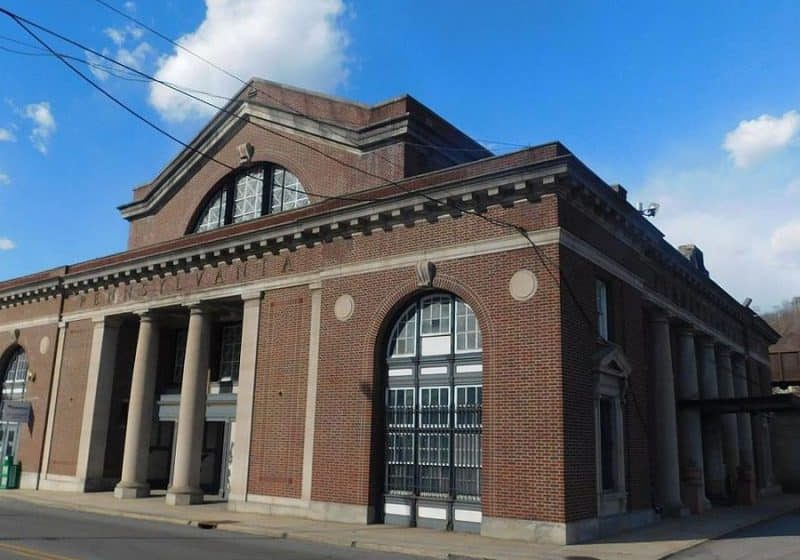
771, 490
675, 510
184, 496
131, 490
746, 493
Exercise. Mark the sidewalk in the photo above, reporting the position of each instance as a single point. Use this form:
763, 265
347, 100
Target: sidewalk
656, 541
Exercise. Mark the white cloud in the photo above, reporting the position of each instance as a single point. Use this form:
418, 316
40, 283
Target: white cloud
300, 43
97, 65
793, 187
6, 244
749, 235
7, 136
785, 240
135, 57
135, 32
130, 6
4, 179
753, 141
116, 35
45, 124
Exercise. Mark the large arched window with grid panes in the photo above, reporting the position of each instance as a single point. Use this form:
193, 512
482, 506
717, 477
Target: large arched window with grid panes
258, 190
433, 415
14, 377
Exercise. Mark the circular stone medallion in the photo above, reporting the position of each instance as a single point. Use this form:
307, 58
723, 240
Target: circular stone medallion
523, 285
344, 307
44, 345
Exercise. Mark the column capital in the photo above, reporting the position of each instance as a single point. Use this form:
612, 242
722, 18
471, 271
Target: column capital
658, 315
197, 307
686, 330
248, 295
724, 351
706, 339
106, 321
146, 316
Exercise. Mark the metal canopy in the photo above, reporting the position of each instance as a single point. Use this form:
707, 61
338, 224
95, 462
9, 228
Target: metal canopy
771, 403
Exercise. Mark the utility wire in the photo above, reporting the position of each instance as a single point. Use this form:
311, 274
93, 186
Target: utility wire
245, 82
559, 278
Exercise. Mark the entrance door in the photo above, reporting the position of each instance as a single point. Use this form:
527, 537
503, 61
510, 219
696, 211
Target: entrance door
9, 435
211, 475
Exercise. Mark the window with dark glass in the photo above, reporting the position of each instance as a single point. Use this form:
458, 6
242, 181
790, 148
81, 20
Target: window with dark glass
180, 356
230, 349
256, 191
608, 443
434, 401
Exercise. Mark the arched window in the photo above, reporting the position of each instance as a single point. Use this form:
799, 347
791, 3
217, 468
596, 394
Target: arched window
14, 376
242, 196
433, 402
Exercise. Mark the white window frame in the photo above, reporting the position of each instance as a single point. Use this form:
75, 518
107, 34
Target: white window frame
611, 383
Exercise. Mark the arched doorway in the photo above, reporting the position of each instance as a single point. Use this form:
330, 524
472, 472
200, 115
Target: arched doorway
432, 421
14, 377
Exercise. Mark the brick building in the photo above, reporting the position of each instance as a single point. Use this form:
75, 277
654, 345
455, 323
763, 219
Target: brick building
358, 313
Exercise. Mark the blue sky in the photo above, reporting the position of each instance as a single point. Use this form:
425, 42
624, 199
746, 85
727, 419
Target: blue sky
695, 105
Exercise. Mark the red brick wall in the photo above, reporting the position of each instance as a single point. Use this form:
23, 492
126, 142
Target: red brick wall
40, 365
276, 448
579, 347
380, 244
522, 442
70, 398
317, 173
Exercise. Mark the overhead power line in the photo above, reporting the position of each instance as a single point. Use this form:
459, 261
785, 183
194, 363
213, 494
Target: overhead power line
26, 24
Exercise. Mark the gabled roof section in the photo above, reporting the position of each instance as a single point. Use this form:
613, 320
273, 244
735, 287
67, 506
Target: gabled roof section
347, 123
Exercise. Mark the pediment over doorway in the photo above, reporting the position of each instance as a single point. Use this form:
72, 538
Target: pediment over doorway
611, 360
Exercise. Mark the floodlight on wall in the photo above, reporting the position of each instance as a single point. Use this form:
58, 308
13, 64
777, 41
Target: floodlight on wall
650, 211
747, 301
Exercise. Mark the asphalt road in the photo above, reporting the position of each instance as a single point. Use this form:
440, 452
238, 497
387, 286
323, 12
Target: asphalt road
771, 540
29, 532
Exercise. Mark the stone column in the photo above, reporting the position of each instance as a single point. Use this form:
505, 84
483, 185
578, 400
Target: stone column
51, 411
668, 485
730, 429
244, 401
97, 404
690, 426
712, 424
759, 386
140, 413
185, 488
311, 390
745, 486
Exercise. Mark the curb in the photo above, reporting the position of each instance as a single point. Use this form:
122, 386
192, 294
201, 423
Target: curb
739, 527
234, 527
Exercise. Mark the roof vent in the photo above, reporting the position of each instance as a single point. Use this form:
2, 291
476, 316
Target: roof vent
695, 256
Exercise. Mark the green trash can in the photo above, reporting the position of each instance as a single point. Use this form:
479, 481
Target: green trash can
13, 476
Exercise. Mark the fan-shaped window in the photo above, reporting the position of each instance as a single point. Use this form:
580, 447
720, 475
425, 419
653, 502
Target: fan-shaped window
242, 196
14, 376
